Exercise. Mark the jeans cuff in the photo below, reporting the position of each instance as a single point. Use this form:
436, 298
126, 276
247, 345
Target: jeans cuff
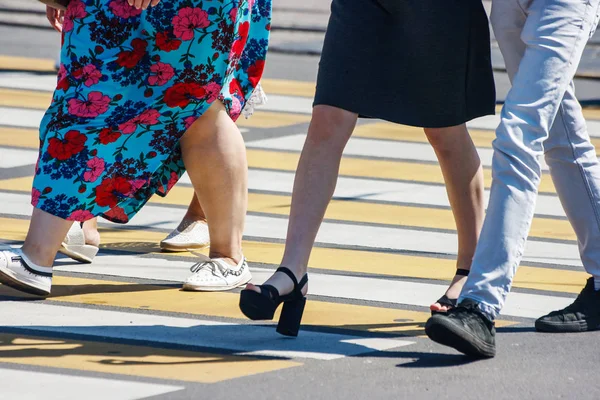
489, 311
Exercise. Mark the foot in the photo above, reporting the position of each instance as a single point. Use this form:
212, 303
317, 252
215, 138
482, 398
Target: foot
218, 274
190, 234
581, 316
81, 244
18, 272
465, 329
446, 302
282, 283
91, 234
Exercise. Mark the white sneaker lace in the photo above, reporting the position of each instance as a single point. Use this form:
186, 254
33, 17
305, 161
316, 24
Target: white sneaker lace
213, 265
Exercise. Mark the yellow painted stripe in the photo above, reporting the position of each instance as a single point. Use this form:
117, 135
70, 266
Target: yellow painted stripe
26, 64
41, 101
382, 169
288, 88
25, 99
354, 261
386, 214
274, 86
225, 305
19, 137
271, 86
385, 130
589, 112
351, 166
266, 119
141, 361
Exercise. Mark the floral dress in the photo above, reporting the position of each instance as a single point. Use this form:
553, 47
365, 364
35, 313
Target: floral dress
130, 84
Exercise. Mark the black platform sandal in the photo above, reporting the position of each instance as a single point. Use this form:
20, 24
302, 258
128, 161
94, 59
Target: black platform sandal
445, 300
262, 306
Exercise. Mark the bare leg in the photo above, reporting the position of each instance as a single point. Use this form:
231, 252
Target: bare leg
45, 235
463, 176
215, 157
194, 213
315, 183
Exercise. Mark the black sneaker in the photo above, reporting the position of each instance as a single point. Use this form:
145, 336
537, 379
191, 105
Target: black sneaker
581, 316
465, 329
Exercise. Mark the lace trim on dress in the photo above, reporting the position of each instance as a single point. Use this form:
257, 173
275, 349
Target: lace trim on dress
258, 98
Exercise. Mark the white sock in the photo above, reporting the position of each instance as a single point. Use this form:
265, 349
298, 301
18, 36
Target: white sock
597, 283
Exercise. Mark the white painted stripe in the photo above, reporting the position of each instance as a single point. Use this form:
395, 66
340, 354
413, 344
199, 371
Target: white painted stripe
346, 234
288, 104
25, 118
371, 148
30, 385
28, 81
327, 285
47, 83
278, 103
21, 117
491, 122
347, 188
366, 148
246, 339
10, 158
375, 190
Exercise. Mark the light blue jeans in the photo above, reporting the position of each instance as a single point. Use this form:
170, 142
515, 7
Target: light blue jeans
542, 42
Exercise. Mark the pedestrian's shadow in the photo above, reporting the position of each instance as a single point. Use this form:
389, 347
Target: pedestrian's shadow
62, 291
435, 360
516, 329
119, 345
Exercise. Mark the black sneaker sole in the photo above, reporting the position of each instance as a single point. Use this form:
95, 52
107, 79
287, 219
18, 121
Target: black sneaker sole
569, 327
443, 331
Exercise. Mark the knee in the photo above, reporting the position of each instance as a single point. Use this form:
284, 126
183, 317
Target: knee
446, 140
330, 126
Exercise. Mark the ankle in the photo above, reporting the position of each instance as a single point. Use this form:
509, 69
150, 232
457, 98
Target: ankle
298, 270
234, 261
40, 255
189, 219
464, 262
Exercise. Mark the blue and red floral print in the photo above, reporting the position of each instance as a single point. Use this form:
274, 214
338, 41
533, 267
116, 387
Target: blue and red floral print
130, 84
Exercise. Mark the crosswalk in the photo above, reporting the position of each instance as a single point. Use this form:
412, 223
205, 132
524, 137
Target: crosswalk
385, 251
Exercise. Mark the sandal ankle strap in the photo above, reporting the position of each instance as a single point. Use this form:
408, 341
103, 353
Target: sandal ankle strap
297, 286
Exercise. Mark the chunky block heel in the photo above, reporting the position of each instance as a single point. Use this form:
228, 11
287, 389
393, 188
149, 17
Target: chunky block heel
262, 306
291, 316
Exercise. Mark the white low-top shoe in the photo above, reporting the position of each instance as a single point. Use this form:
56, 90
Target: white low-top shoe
18, 272
217, 275
194, 236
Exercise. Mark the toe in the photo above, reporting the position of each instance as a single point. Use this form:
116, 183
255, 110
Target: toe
253, 287
437, 307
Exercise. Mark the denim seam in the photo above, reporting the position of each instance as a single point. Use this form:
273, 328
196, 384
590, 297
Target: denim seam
584, 177
521, 8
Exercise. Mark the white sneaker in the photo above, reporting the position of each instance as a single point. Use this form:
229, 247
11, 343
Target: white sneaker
217, 275
18, 272
74, 245
194, 236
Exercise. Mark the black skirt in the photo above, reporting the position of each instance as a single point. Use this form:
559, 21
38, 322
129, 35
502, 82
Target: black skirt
427, 64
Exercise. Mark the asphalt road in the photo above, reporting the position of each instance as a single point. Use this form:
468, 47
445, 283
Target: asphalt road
123, 323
